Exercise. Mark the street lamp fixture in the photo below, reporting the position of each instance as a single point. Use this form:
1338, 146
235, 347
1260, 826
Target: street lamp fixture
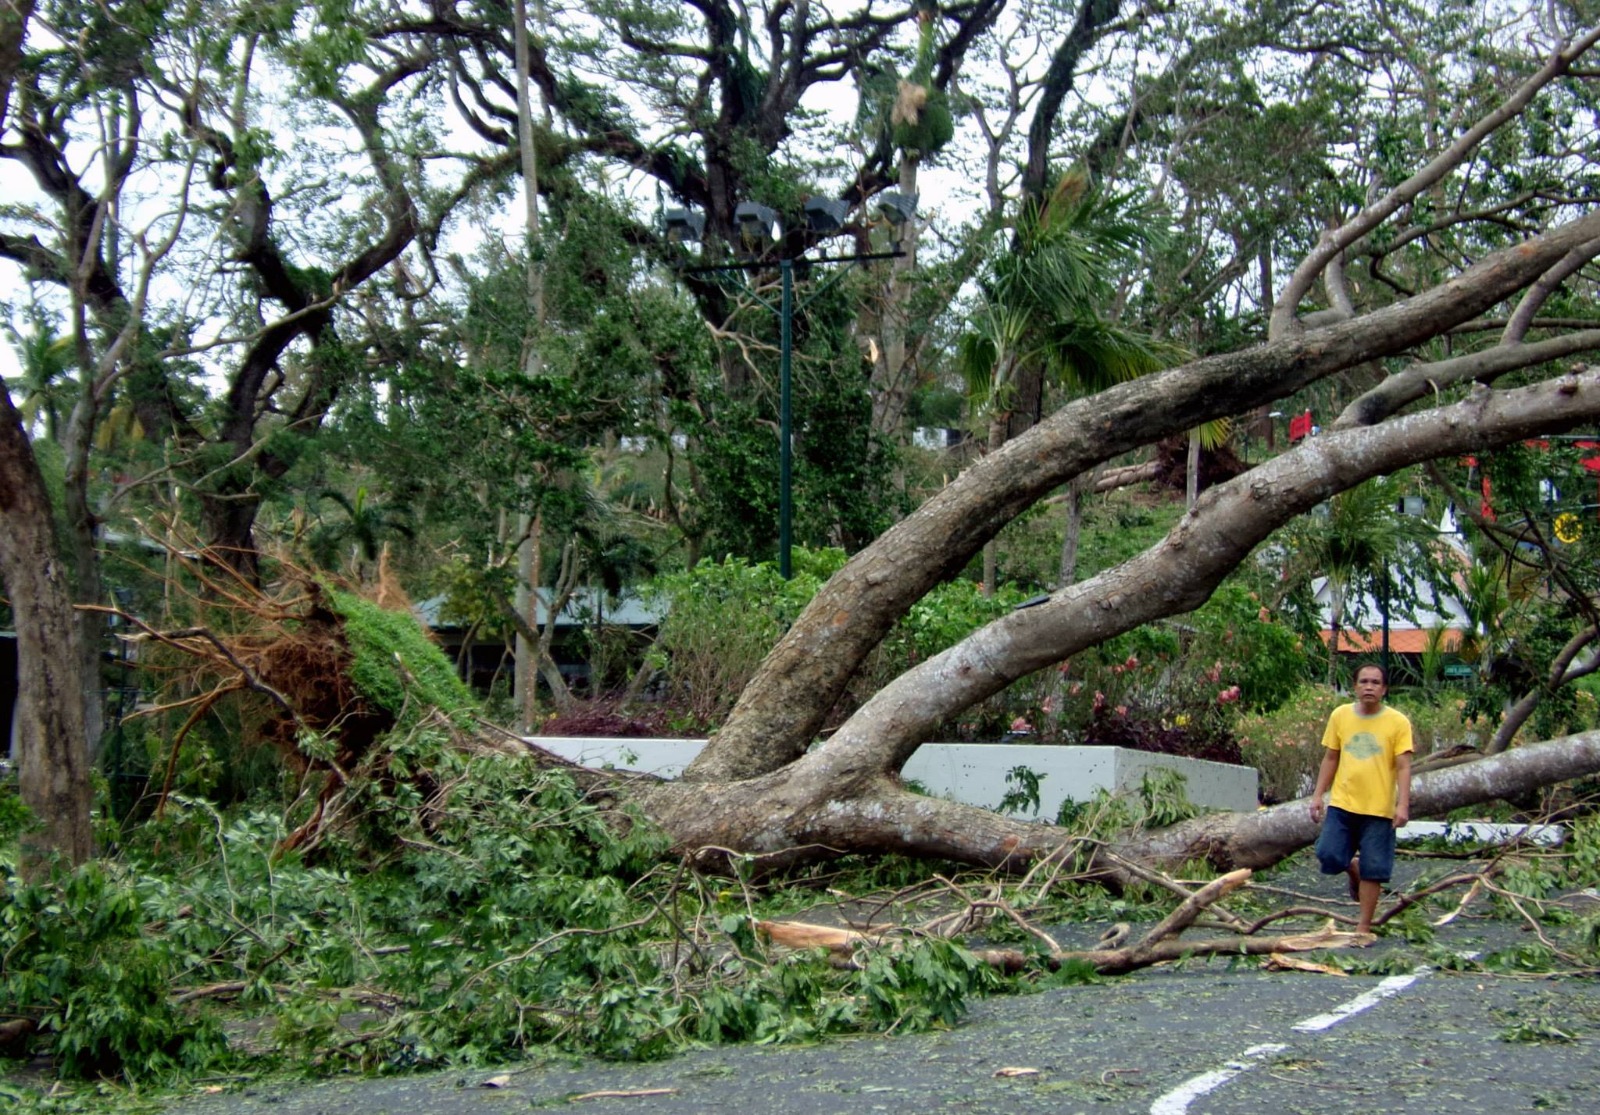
898, 209
826, 215
684, 226
758, 227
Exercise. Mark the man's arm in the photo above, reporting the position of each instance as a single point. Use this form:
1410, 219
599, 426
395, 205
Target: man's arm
1402, 782
1330, 764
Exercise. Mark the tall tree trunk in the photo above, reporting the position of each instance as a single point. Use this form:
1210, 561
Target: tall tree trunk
51, 744
530, 574
14, 17
229, 519
1191, 470
998, 423
88, 587
1336, 594
1072, 528
525, 680
561, 593
891, 383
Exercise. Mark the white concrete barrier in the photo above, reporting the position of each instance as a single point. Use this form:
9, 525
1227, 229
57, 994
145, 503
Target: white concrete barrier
1483, 832
974, 773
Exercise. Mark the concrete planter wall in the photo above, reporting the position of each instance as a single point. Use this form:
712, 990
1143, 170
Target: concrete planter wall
974, 773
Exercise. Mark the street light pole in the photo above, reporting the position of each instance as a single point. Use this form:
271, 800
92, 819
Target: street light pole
825, 216
1383, 606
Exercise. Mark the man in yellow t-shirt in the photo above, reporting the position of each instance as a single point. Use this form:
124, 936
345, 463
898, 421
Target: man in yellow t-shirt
1367, 762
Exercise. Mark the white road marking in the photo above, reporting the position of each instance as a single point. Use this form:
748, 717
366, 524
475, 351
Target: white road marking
1391, 986
1177, 1101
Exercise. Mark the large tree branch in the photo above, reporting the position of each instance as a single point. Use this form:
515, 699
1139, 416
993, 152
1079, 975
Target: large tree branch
1093, 15
1335, 241
43, 152
780, 710
1180, 573
1256, 840
1422, 380
1528, 308
1565, 670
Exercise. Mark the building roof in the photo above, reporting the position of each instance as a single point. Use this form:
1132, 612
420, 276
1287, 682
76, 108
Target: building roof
627, 610
1403, 640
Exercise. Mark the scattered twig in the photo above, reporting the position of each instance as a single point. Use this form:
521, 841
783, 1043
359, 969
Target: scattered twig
225, 990
1190, 908
1516, 901
1167, 882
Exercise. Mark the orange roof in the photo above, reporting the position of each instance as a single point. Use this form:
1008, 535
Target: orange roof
1407, 640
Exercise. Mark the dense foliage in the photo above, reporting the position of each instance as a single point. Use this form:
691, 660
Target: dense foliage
316, 284
508, 912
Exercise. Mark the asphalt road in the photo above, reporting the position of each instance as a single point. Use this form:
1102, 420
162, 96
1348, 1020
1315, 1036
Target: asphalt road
1201, 1038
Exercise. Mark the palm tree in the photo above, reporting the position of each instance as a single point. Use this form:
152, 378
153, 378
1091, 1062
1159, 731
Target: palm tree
47, 361
1352, 542
367, 523
1040, 307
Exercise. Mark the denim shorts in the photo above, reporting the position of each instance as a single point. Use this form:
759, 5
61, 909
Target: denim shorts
1345, 833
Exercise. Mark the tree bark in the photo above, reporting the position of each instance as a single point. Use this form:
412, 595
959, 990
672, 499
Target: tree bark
1072, 528
14, 17
842, 795
51, 746
1256, 840
785, 820
781, 709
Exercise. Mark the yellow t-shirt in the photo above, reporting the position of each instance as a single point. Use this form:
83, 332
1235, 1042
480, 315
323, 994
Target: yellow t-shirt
1368, 745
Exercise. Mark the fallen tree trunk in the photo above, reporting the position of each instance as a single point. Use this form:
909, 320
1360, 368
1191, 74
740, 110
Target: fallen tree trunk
842, 795
773, 824
1258, 840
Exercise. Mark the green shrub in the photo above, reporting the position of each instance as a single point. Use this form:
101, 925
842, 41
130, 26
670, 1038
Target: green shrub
1285, 745
74, 951
720, 620
1439, 721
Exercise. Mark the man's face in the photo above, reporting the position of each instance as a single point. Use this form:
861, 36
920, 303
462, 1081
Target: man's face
1370, 688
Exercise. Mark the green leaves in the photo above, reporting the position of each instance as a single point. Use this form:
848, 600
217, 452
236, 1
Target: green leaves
921, 984
75, 951
395, 665
721, 618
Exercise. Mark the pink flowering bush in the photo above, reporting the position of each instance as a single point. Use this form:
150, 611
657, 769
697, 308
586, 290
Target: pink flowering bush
1285, 746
